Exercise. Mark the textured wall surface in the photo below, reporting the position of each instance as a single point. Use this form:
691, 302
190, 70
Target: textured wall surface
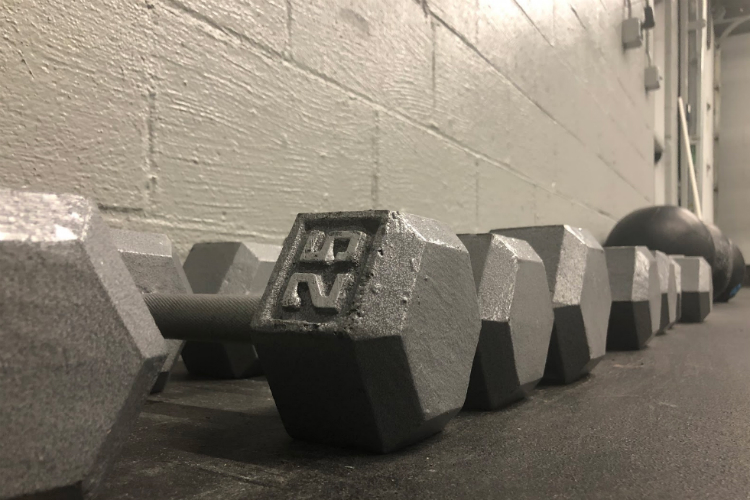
733, 147
221, 119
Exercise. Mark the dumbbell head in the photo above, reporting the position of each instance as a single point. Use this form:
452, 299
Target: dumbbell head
579, 284
236, 268
636, 297
80, 349
368, 328
675, 275
155, 268
668, 287
517, 318
697, 289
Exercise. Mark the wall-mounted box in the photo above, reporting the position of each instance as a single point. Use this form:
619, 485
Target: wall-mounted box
632, 34
652, 78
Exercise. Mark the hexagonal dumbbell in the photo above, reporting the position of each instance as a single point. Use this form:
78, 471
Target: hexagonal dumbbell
155, 268
676, 271
578, 281
668, 275
370, 318
368, 328
678, 284
517, 318
236, 268
697, 289
636, 297
80, 349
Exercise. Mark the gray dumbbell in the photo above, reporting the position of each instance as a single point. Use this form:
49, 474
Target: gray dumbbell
676, 269
579, 284
697, 289
155, 268
236, 268
80, 349
668, 270
368, 328
636, 297
517, 318
370, 318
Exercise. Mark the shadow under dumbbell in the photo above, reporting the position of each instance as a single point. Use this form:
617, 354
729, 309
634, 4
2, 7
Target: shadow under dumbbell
561, 385
235, 420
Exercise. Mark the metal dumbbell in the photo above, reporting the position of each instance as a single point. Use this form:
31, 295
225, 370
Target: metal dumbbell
370, 318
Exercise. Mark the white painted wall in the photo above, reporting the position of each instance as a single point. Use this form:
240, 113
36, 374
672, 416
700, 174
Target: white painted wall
665, 56
221, 119
733, 146
706, 170
657, 45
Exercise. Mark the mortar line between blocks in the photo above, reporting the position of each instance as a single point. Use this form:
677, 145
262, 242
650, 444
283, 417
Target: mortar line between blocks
533, 101
267, 51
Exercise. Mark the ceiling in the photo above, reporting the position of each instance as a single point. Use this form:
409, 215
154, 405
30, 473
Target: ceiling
725, 10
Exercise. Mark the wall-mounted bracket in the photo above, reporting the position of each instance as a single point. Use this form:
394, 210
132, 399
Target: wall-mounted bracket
632, 34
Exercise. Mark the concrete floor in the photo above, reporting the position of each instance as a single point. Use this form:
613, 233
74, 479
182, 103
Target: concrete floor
672, 421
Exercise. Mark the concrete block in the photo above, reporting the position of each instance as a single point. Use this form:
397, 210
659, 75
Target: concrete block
627, 63
472, 100
380, 49
553, 157
262, 21
542, 14
518, 50
75, 99
503, 198
602, 23
460, 15
637, 171
554, 209
585, 177
423, 174
245, 142
533, 139
581, 53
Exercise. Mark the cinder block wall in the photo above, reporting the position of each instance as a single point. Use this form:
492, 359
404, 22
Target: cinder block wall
733, 146
221, 119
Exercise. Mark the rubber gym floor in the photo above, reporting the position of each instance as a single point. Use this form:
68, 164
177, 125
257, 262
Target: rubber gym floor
671, 421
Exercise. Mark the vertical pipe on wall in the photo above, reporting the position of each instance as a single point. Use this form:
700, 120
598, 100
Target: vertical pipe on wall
694, 94
682, 13
691, 166
670, 157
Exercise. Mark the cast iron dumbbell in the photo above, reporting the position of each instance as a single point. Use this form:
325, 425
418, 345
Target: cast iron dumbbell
581, 297
237, 268
370, 318
233, 268
636, 297
669, 274
155, 268
517, 318
697, 289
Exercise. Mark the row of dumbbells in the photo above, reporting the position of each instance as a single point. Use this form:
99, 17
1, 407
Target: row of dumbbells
646, 294
373, 328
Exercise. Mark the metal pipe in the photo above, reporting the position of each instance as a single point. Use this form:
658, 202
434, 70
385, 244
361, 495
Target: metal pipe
689, 154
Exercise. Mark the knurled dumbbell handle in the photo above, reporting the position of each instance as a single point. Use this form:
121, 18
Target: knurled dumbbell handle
203, 317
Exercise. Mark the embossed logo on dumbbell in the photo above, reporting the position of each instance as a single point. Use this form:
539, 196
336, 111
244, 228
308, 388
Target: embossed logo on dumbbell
321, 249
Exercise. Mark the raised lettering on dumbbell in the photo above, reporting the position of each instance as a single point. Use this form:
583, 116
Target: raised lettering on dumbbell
331, 302
320, 247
